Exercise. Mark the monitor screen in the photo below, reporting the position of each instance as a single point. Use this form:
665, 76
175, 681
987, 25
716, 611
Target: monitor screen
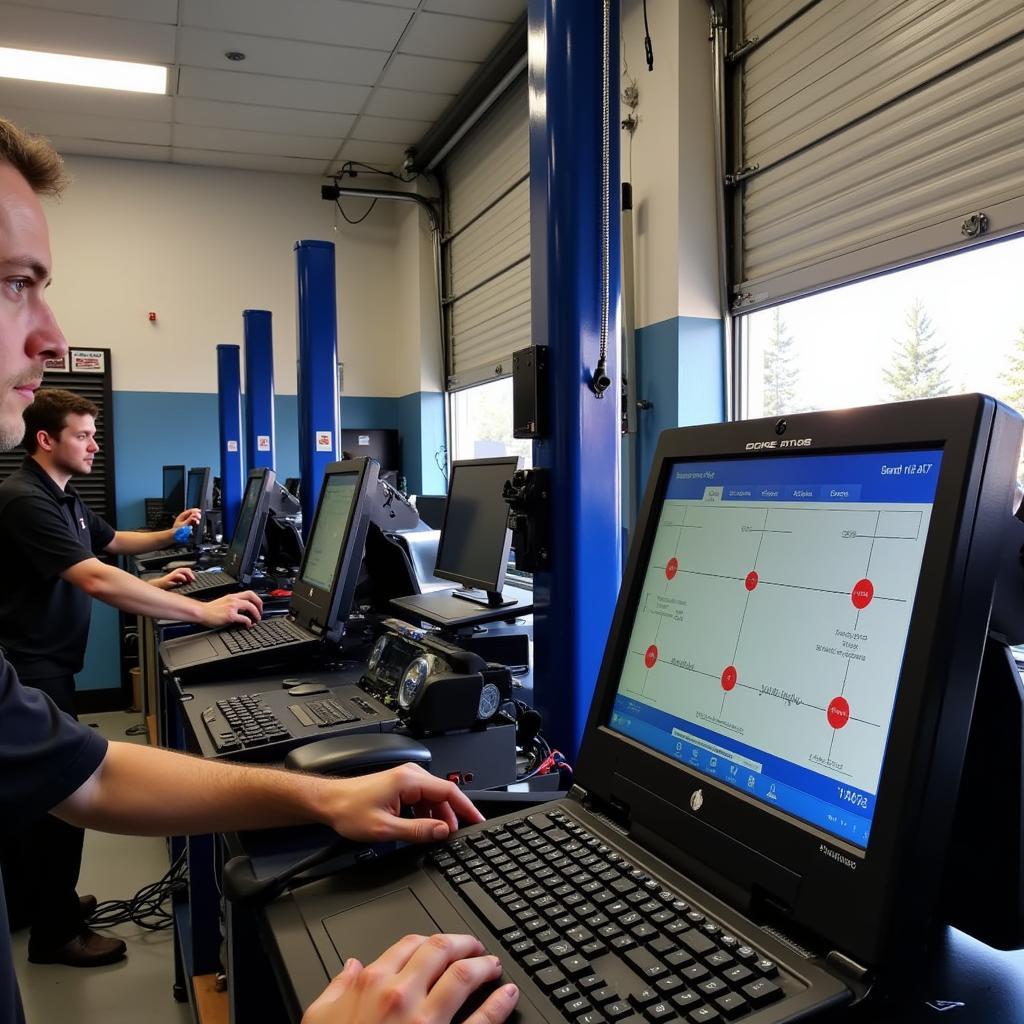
194, 490
174, 489
246, 513
475, 537
330, 528
768, 639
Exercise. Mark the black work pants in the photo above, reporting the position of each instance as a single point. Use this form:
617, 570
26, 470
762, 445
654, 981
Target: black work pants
41, 864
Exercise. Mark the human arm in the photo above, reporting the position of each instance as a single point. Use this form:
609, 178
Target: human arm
121, 589
417, 980
175, 578
148, 791
137, 542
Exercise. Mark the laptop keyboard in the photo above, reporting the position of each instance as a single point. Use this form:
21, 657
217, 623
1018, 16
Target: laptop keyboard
604, 940
206, 580
265, 635
236, 723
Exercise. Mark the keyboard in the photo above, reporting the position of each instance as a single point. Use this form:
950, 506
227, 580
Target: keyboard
600, 936
207, 580
241, 722
265, 635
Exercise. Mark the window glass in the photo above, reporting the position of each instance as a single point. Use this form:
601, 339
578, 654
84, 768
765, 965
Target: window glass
482, 423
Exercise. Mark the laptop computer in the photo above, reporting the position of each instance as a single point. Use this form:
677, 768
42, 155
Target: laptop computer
768, 774
198, 494
243, 551
321, 596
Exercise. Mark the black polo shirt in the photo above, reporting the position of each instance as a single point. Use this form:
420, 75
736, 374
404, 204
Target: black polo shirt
44, 620
45, 756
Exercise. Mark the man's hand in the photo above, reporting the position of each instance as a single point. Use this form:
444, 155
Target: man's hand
189, 517
417, 979
242, 609
369, 808
173, 579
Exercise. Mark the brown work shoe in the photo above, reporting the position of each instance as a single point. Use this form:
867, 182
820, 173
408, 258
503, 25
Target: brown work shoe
86, 949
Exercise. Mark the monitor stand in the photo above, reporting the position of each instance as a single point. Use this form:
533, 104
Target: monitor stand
488, 598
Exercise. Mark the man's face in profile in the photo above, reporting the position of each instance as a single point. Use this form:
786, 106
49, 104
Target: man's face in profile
28, 331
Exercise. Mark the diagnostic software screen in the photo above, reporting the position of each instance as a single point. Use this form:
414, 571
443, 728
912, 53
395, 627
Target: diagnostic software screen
330, 529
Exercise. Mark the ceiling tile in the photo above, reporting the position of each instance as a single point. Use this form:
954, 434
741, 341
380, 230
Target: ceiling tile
443, 35
427, 74
379, 154
337, 22
269, 119
265, 56
70, 99
388, 129
86, 36
265, 90
71, 146
164, 11
108, 129
192, 136
494, 10
247, 161
425, 106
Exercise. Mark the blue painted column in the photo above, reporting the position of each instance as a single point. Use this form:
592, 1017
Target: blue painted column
259, 389
574, 133
318, 370
229, 415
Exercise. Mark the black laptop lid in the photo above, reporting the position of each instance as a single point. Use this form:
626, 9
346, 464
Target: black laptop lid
252, 519
199, 494
787, 687
323, 592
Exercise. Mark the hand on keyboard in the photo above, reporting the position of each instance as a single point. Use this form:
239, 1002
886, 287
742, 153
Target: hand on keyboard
417, 979
175, 578
244, 609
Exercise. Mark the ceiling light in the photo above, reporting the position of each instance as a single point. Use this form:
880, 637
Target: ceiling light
65, 69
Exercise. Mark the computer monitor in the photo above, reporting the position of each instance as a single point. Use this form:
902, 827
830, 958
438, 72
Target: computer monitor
790, 672
475, 538
174, 490
324, 589
199, 494
252, 520
373, 443
292, 485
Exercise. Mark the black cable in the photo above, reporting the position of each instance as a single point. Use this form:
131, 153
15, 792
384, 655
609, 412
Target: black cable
648, 45
341, 209
347, 168
145, 908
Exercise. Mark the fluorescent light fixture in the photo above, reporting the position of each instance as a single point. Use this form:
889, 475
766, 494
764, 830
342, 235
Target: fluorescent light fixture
64, 69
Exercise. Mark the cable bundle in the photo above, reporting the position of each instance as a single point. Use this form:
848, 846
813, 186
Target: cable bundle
146, 907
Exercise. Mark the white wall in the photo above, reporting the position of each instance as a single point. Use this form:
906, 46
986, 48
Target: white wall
672, 164
197, 246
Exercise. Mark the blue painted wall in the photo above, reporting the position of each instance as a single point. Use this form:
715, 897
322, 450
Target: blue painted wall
421, 424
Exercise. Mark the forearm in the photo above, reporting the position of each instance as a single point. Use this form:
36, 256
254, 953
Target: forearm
121, 589
147, 791
135, 542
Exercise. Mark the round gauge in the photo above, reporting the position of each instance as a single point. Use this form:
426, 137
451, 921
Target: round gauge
414, 677
378, 650
490, 698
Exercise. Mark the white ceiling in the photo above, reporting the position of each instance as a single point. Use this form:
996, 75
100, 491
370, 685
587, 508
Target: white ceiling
324, 81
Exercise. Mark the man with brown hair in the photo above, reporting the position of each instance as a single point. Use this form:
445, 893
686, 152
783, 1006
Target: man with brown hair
48, 762
54, 544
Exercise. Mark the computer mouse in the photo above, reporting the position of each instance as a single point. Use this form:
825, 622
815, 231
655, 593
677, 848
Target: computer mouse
306, 689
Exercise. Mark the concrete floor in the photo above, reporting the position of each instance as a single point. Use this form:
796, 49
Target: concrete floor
137, 988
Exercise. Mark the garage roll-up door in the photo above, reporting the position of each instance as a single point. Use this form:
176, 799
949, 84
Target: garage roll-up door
487, 244
873, 134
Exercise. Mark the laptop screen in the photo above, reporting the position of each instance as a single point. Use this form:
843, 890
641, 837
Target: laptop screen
771, 626
246, 514
329, 529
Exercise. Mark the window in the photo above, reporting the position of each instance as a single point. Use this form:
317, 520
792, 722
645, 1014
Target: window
947, 326
482, 423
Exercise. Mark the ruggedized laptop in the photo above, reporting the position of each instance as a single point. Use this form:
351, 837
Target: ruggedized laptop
768, 774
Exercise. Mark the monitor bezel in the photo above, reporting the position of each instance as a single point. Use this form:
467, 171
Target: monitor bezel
514, 462
173, 513
205, 502
826, 887
328, 610
242, 567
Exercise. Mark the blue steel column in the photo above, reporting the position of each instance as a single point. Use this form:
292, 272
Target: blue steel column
259, 389
229, 414
571, 138
318, 370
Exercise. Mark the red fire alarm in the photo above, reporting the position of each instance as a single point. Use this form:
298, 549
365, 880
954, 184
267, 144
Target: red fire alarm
152, 318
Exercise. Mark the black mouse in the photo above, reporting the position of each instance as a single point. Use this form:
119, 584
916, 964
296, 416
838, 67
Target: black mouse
306, 689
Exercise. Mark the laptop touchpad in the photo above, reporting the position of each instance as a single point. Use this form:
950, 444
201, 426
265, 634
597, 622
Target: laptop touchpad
367, 930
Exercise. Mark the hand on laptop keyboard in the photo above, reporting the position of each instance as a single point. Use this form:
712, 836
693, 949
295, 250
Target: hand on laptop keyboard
417, 979
175, 578
244, 609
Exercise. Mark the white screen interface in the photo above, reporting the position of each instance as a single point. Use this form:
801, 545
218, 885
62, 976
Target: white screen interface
330, 529
772, 622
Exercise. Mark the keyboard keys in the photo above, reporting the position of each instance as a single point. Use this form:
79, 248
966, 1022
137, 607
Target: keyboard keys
762, 992
732, 1005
